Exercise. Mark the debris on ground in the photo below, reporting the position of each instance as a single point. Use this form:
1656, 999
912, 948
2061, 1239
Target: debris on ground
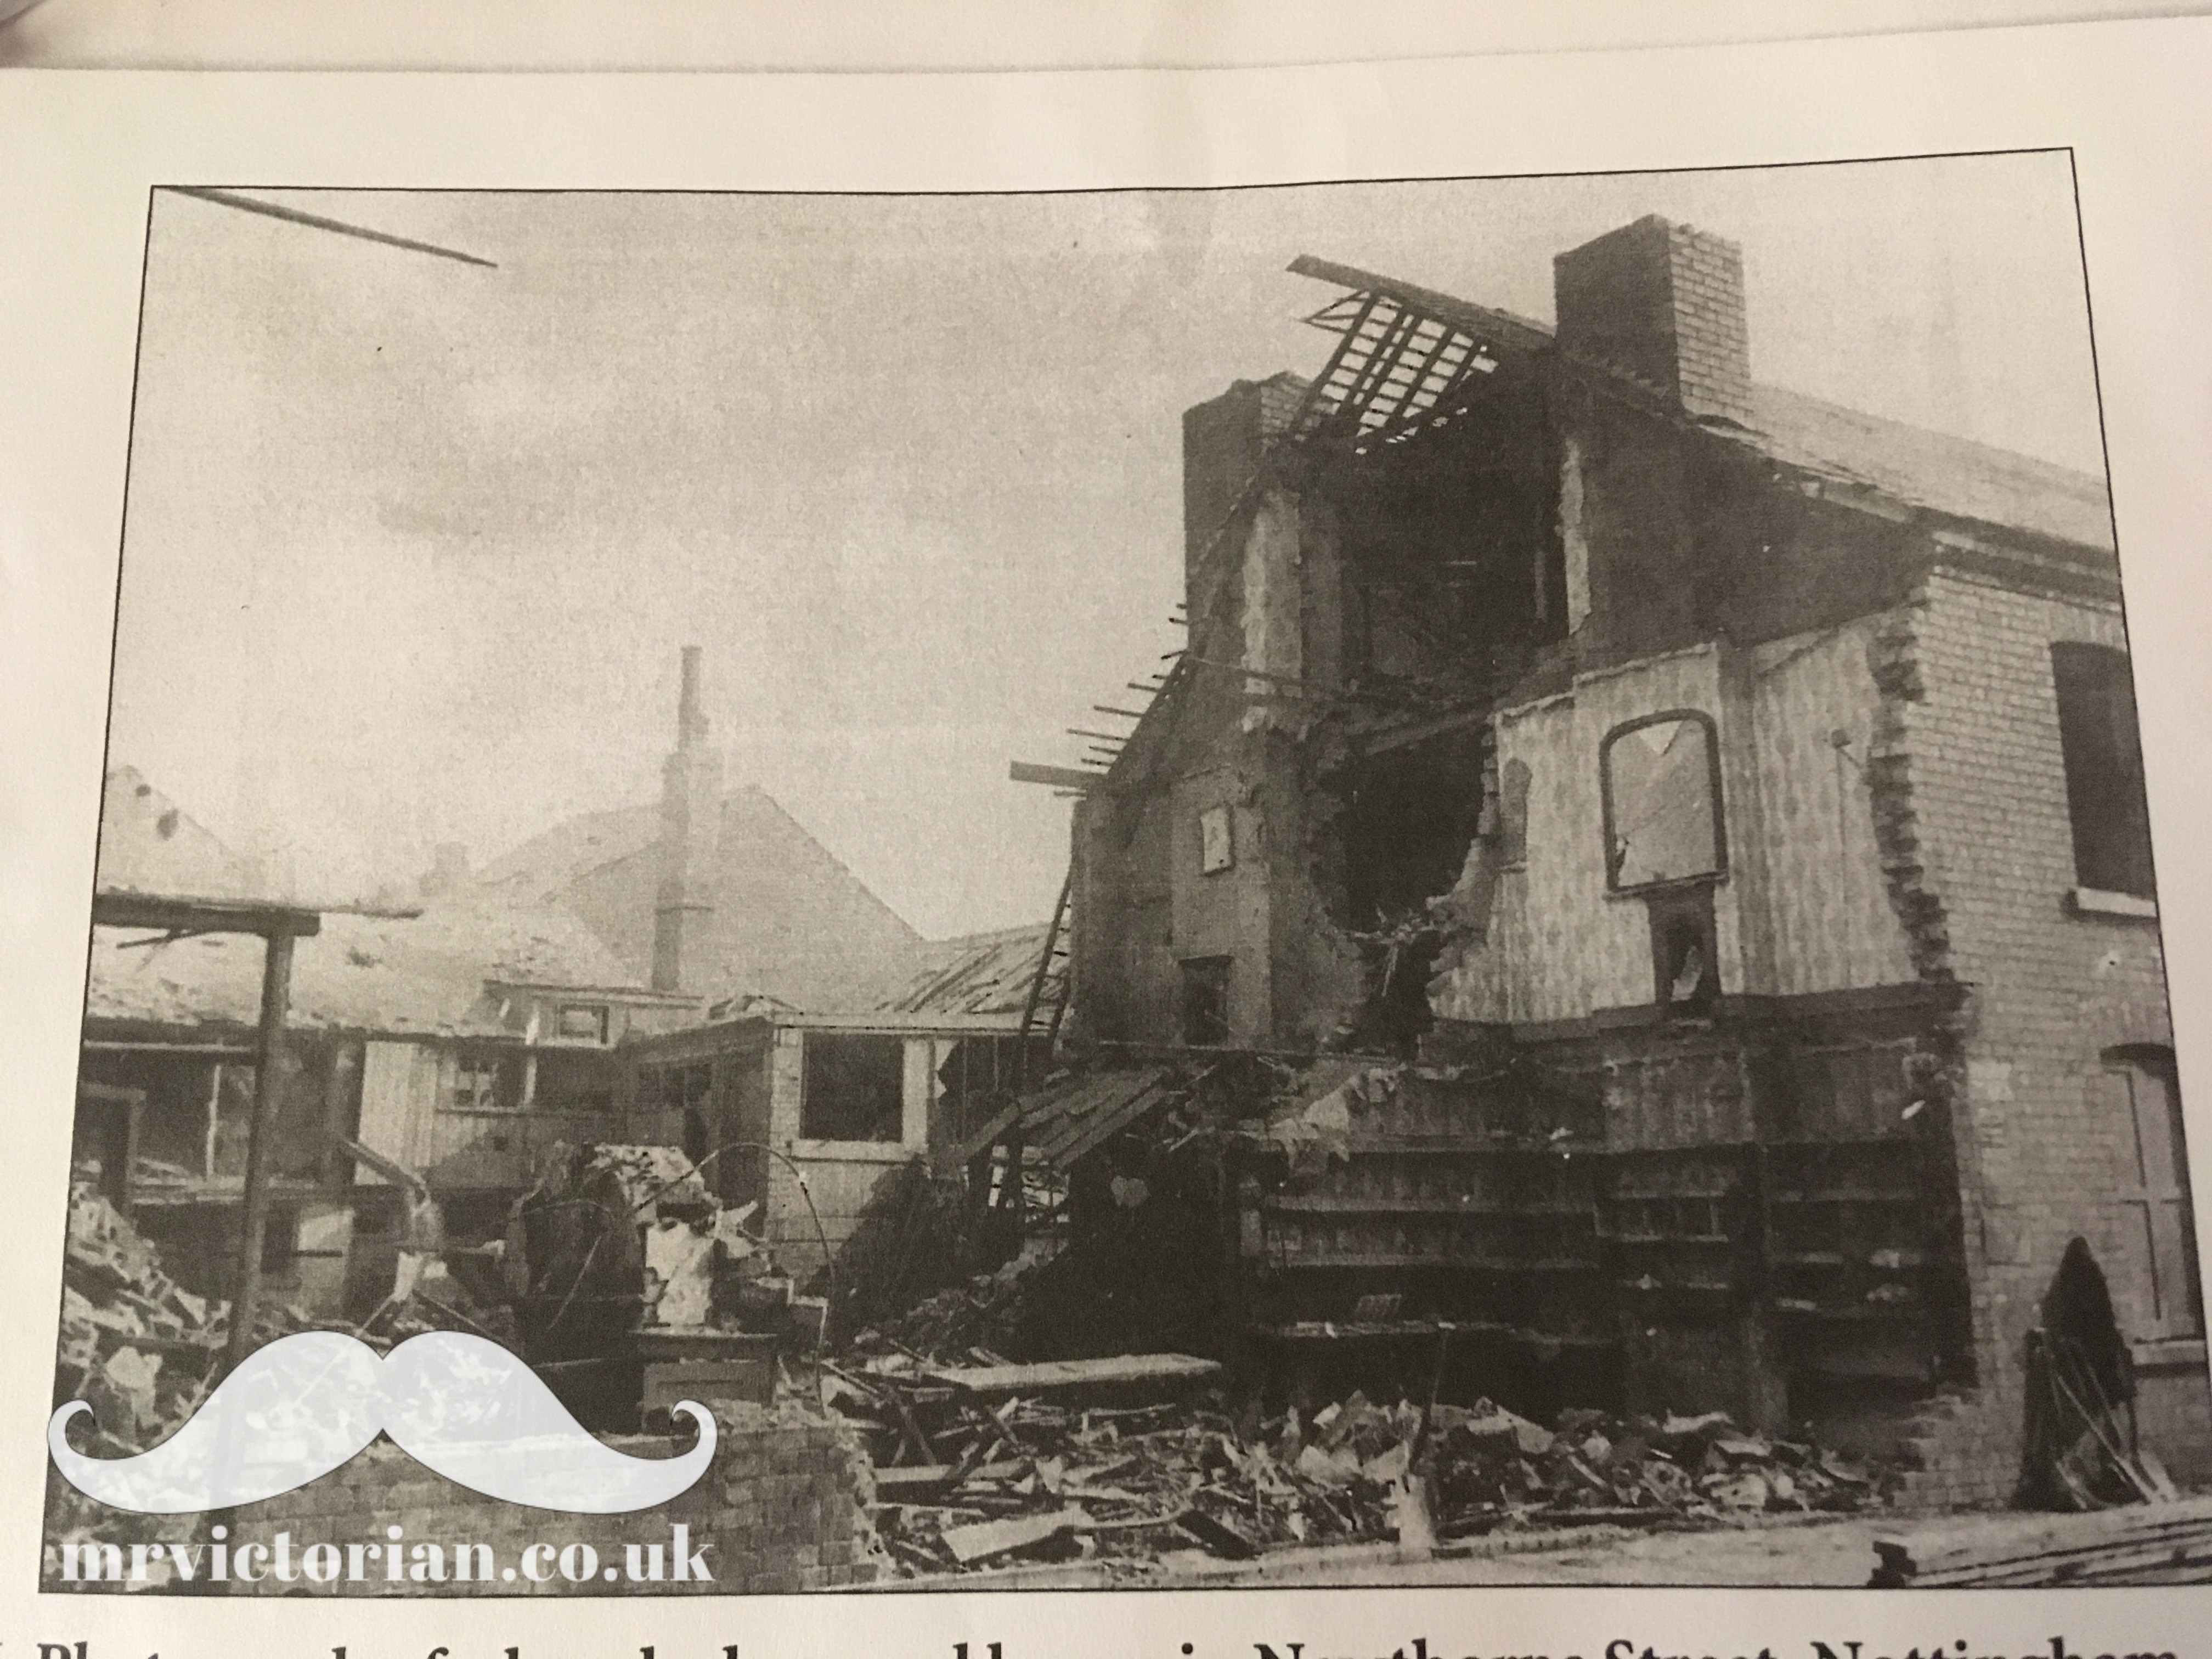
1104, 1464
986, 1310
910, 1241
133, 1342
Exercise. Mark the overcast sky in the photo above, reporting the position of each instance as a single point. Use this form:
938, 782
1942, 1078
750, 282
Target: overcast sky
411, 546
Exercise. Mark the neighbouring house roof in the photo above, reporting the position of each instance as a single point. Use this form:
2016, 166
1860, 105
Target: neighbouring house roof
147, 844
975, 974
1952, 476
424, 976
789, 921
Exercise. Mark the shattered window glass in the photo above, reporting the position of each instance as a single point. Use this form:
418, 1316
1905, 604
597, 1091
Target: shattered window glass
1661, 801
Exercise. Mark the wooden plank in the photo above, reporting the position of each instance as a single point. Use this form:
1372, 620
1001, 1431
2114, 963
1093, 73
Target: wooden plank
191, 916
1081, 1135
1053, 1376
989, 1537
1060, 777
2057, 1549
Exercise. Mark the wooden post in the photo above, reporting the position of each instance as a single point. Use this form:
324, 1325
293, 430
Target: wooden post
275, 997
214, 1121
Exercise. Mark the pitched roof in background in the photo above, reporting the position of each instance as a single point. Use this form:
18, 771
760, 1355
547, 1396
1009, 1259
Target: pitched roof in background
547, 865
149, 845
789, 920
420, 976
976, 974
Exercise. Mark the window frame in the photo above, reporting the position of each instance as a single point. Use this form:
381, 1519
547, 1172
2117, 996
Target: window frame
504, 1067
2092, 688
808, 1134
1720, 869
600, 1015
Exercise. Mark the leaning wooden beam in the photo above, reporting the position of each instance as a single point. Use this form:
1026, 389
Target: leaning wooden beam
1060, 777
317, 222
276, 998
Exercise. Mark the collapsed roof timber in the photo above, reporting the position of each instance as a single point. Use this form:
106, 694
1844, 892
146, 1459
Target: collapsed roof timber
1637, 875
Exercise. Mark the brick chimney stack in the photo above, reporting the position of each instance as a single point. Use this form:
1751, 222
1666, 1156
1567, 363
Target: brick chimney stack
691, 820
1664, 302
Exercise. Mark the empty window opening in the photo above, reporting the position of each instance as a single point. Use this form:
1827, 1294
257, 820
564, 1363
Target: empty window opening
1661, 788
582, 1023
2103, 752
1685, 967
1205, 1001
573, 1082
854, 1088
280, 1243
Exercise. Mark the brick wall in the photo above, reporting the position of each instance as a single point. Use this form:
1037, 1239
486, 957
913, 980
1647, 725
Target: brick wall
1986, 869
783, 1508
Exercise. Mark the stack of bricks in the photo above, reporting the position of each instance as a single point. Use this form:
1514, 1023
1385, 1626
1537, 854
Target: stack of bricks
783, 1508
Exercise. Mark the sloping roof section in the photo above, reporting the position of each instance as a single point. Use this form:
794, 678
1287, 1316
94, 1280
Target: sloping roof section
789, 921
978, 973
1067, 1120
147, 844
422, 976
1397, 370
1951, 476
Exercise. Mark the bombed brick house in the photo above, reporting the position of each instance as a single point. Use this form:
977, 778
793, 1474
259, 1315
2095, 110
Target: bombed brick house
1719, 812
458, 1043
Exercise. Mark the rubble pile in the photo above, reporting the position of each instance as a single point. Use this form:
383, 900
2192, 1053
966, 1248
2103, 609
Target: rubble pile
986, 1310
135, 1343
1492, 1468
966, 1482
910, 1241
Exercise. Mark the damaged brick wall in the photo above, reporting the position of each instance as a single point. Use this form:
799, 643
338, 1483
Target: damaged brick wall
1972, 801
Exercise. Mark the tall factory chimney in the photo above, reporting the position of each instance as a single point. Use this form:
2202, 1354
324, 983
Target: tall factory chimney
691, 820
